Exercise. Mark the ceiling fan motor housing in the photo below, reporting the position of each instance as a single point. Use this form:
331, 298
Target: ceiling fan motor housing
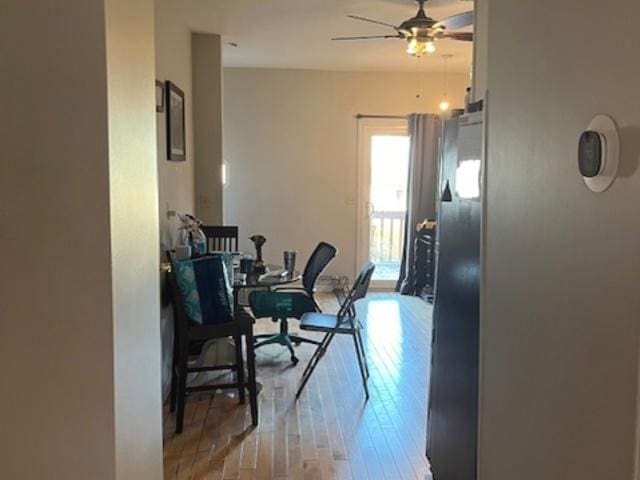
418, 25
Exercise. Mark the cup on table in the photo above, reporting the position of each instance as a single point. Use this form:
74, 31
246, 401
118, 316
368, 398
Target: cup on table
246, 265
289, 260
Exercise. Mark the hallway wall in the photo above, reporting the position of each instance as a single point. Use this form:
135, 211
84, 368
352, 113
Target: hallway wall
79, 336
562, 264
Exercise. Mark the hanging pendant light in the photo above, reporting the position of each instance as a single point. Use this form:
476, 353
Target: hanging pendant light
444, 102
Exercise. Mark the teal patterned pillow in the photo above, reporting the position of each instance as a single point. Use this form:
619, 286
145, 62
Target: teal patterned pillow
186, 279
205, 288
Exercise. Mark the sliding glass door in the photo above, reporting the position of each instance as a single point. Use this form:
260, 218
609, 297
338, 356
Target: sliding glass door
383, 164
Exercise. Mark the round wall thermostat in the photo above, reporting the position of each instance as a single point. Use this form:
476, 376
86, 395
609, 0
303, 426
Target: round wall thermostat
598, 153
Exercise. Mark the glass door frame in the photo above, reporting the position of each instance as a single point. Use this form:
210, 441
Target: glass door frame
368, 127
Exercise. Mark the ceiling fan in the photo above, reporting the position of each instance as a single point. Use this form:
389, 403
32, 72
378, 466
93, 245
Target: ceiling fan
421, 32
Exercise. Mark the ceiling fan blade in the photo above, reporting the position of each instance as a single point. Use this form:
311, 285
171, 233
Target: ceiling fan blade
367, 38
456, 21
463, 36
372, 21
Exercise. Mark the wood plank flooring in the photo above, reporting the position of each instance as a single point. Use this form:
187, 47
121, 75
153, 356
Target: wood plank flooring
330, 432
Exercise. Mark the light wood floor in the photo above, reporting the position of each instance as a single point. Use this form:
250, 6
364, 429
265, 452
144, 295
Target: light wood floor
330, 432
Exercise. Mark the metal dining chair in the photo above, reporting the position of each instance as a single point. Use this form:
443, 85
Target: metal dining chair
345, 322
222, 238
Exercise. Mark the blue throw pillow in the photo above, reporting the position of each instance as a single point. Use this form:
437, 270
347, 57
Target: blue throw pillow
205, 288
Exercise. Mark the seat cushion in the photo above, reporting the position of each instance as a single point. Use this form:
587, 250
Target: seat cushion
242, 324
277, 304
322, 322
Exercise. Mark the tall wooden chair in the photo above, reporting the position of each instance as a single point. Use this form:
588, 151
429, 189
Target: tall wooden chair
223, 238
189, 334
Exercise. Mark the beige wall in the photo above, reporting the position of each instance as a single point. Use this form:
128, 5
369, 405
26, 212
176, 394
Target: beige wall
55, 307
560, 308
480, 49
206, 60
173, 62
290, 142
134, 238
67, 327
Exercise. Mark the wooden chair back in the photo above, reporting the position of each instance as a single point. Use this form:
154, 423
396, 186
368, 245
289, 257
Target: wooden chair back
222, 238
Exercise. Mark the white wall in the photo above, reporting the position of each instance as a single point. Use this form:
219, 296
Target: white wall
290, 141
68, 324
560, 305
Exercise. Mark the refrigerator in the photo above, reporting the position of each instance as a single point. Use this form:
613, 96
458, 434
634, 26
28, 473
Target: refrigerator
452, 425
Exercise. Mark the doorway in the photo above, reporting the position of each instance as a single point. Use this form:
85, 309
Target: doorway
382, 178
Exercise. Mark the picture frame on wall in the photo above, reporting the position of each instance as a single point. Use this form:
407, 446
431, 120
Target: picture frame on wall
159, 96
176, 138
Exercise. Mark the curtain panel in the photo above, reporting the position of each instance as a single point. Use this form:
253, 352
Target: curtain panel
425, 131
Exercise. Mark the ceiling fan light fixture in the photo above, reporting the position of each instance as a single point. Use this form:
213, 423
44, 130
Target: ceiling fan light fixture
421, 31
418, 46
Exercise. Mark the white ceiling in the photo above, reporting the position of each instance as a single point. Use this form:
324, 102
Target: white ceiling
296, 33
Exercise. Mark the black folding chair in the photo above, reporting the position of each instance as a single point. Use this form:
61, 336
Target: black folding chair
345, 322
223, 238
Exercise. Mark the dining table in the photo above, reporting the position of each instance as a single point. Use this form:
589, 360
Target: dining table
274, 276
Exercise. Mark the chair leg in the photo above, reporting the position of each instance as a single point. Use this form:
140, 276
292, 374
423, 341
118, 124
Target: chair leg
315, 354
173, 394
289, 346
239, 368
253, 387
269, 339
182, 391
315, 359
298, 340
362, 351
361, 365
281, 338
284, 333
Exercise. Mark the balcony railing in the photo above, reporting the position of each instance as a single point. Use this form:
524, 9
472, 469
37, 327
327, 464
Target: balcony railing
386, 237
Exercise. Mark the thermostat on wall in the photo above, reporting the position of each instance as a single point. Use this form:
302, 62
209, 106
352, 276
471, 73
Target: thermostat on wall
598, 153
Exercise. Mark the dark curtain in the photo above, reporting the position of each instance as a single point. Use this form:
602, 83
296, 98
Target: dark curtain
424, 131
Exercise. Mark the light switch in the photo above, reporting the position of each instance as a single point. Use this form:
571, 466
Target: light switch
204, 201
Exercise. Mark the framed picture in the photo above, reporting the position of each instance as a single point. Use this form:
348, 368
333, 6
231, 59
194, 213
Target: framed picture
176, 139
159, 96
